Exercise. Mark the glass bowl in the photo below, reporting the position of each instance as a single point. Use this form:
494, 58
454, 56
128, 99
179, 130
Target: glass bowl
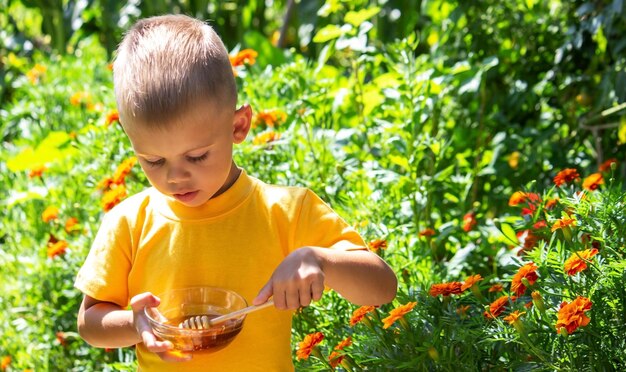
180, 304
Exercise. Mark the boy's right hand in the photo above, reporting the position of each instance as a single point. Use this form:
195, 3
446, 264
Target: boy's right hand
164, 349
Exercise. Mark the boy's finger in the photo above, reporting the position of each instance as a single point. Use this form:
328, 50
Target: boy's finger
317, 289
264, 294
142, 300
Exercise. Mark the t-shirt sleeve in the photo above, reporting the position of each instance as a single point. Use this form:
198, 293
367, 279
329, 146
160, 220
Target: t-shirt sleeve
104, 275
319, 225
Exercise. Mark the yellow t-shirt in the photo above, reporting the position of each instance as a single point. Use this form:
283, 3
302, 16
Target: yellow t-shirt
151, 243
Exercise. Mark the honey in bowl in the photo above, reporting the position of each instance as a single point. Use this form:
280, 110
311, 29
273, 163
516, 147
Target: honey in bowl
214, 338
181, 304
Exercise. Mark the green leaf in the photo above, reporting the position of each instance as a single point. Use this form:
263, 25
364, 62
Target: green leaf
358, 17
327, 33
268, 54
509, 233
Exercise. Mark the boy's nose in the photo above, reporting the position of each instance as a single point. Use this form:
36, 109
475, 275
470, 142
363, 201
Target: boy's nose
177, 175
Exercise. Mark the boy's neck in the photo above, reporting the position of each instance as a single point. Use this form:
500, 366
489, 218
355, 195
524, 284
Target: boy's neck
233, 175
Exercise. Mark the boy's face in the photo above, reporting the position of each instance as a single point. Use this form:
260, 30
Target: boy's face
190, 159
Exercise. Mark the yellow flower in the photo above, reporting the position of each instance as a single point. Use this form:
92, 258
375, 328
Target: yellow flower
51, 213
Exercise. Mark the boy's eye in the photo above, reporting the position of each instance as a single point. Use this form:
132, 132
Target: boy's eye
154, 163
195, 159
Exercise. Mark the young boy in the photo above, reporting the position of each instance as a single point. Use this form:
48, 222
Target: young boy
204, 221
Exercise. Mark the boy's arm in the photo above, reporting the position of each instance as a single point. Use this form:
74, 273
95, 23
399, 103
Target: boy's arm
360, 276
105, 324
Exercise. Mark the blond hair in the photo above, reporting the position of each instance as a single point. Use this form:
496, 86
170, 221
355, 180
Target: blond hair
165, 64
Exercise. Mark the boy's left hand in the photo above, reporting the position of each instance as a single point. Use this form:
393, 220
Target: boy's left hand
296, 281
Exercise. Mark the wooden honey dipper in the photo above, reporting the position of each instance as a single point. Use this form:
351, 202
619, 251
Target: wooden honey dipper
204, 322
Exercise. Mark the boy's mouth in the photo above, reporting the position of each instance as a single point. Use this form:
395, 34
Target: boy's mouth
186, 197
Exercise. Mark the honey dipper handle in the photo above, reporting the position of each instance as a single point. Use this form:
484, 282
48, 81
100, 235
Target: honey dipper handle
240, 312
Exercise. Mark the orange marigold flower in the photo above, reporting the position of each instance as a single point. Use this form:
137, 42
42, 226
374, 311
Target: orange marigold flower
527, 239
578, 261
6, 361
470, 281
71, 224
360, 313
269, 118
245, 56
540, 225
496, 288
112, 117
377, 244
550, 203
36, 73
305, 347
606, 165
397, 313
105, 183
498, 306
344, 344
265, 138
51, 213
528, 272
514, 316
445, 289
518, 197
572, 315
426, 232
123, 170
57, 249
469, 221
113, 197
37, 171
566, 176
62, 338
563, 222
335, 358
593, 181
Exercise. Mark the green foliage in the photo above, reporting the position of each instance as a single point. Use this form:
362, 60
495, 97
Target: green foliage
418, 134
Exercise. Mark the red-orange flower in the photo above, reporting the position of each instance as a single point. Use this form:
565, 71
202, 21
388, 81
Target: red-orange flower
37, 171
514, 316
462, 310
563, 222
593, 182
498, 306
71, 224
6, 361
606, 165
113, 197
469, 221
335, 358
269, 118
496, 288
360, 313
426, 232
445, 289
245, 56
550, 203
80, 98
305, 347
528, 272
398, 313
566, 176
62, 338
572, 315
123, 170
470, 281
578, 261
112, 117
57, 249
540, 225
377, 244
49, 214
344, 343
518, 197
527, 239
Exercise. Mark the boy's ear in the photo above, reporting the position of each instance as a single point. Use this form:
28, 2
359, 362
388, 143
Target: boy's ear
241, 123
